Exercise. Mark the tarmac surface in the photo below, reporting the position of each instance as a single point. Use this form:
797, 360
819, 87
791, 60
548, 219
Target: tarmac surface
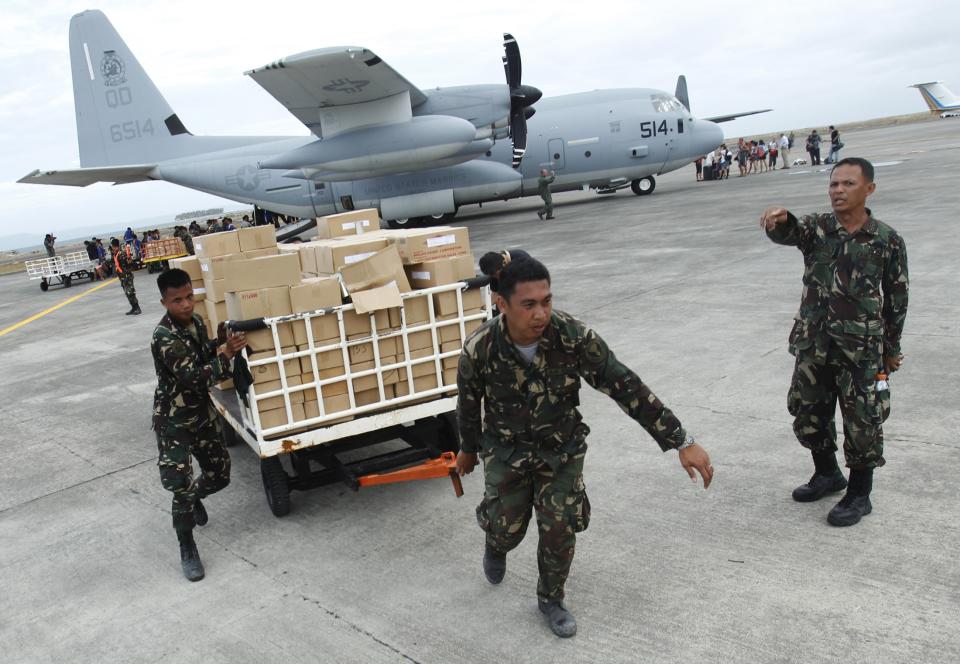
687, 290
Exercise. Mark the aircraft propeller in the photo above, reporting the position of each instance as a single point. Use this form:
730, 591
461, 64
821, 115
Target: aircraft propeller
521, 97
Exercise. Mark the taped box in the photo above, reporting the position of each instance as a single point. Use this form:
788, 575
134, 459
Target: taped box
326, 257
356, 222
262, 303
429, 244
217, 244
312, 295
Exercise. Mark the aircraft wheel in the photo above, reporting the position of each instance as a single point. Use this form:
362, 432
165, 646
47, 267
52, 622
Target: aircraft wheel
439, 219
644, 186
408, 222
44, 285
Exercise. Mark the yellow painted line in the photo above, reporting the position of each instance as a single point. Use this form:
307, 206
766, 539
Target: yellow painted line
43, 313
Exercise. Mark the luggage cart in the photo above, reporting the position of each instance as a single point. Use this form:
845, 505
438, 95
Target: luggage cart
307, 453
162, 250
61, 269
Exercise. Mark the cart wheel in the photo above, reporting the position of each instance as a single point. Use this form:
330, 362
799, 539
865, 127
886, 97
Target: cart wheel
67, 281
230, 437
448, 439
93, 275
44, 285
276, 485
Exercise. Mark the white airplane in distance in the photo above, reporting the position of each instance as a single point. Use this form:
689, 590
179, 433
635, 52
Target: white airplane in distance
939, 98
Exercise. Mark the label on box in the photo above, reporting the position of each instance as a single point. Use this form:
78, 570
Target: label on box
441, 240
420, 275
356, 258
204, 267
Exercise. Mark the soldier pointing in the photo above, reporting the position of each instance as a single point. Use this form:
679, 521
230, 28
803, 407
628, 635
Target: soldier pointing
846, 337
522, 370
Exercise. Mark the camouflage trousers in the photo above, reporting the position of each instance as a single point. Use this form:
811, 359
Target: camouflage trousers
547, 208
513, 489
126, 282
176, 470
812, 400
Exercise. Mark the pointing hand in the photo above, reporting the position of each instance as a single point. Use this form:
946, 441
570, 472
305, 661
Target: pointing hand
772, 216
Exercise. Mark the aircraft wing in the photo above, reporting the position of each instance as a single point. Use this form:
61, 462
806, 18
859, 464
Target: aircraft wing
82, 177
734, 116
335, 89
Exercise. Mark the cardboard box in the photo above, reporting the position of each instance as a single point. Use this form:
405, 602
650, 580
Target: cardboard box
264, 272
217, 244
332, 404
326, 257
215, 290
453, 361
380, 269
364, 352
417, 311
257, 237
355, 222
423, 368
278, 416
421, 384
262, 303
330, 389
372, 396
450, 377
190, 265
443, 271
271, 403
446, 303
271, 372
198, 297
329, 363
312, 295
359, 324
416, 340
369, 382
216, 312
430, 244
452, 332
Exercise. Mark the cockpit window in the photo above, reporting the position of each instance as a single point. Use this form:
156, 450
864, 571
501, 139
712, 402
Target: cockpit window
665, 104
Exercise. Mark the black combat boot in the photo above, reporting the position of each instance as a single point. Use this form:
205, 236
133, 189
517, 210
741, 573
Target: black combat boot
494, 565
856, 504
200, 513
189, 556
826, 478
561, 621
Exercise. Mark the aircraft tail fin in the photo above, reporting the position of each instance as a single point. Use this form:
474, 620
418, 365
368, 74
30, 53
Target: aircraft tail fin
937, 96
121, 116
681, 94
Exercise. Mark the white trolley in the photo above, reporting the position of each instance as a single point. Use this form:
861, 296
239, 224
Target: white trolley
306, 452
61, 269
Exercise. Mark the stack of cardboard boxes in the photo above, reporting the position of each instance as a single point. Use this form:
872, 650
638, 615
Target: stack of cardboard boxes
244, 275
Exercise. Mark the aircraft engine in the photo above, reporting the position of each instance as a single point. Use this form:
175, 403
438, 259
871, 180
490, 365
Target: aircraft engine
485, 106
402, 146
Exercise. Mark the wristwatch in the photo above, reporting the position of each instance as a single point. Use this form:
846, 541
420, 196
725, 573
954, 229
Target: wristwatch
687, 442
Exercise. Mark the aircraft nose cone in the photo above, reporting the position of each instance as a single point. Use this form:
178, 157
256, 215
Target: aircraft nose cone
709, 136
528, 94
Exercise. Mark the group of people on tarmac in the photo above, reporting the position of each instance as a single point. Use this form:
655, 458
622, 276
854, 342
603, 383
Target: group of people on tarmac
752, 156
813, 147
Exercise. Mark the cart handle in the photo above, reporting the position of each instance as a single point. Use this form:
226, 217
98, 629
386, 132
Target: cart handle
250, 325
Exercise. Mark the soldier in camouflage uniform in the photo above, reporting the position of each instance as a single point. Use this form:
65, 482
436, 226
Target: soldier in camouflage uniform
186, 238
188, 364
123, 266
543, 188
525, 368
846, 337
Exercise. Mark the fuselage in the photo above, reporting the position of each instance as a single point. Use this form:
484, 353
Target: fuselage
598, 139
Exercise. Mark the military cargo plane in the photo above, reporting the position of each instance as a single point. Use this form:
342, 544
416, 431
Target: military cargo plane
377, 140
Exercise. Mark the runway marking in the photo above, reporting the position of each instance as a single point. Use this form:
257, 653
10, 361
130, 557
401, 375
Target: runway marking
43, 313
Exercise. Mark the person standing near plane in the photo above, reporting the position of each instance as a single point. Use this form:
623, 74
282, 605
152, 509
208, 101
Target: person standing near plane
846, 338
543, 188
784, 151
48, 241
186, 424
813, 147
518, 380
835, 146
123, 266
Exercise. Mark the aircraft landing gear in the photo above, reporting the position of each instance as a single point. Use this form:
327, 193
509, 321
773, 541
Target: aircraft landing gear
407, 222
644, 186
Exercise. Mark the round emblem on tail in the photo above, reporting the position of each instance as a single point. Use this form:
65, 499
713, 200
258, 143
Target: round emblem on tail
112, 69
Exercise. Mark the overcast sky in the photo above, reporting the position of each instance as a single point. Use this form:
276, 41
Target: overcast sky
815, 63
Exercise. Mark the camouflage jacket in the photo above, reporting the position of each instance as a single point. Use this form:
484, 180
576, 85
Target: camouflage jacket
187, 367
121, 258
187, 240
854, 287
532, 409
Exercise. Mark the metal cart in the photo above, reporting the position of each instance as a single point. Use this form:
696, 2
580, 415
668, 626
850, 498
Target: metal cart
307, 453
61, 269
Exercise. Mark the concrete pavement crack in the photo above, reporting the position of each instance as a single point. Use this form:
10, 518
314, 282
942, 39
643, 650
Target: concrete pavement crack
73, 486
